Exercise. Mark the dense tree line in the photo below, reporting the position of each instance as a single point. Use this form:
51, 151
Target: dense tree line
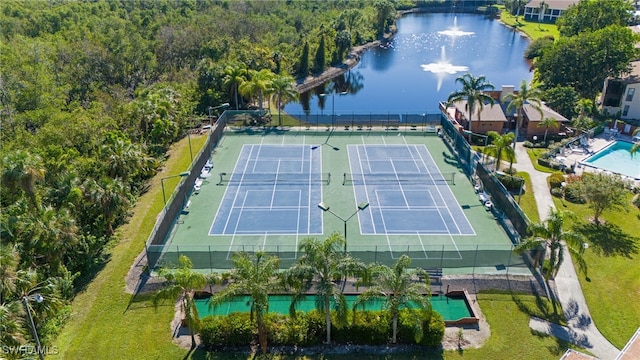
92, 94
595, 43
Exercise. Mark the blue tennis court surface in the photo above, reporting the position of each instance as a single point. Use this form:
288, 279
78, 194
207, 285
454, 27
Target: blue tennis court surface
271, 192
406, 192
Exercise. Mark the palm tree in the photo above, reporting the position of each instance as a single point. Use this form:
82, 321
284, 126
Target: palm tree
21, 171
473, 90
547, 123
542, 8
284, 91
526, 95
258, 84
256, 276
550, 236
398, 289
181, 285
501, 146
322, 263
235, 75
636, 145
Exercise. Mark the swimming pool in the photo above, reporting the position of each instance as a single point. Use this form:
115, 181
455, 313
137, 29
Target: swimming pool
451, 308
616, 158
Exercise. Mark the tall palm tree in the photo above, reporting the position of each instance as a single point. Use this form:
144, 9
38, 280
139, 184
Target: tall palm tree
501, 147
256, 276
550, 235
398, 289
636, 145
526, 95
474, 91
321, 264
258, 85
181, 285
542, 8
235, 75
547, 123
284, 91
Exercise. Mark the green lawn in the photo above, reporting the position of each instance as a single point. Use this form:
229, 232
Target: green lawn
534, 154
511, 337
106, 322
613, 285
533, 30
528, 202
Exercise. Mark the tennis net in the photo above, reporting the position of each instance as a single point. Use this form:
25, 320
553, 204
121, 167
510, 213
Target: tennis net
399, 178
274, 178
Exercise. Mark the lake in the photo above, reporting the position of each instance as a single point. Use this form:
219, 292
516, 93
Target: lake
418, 68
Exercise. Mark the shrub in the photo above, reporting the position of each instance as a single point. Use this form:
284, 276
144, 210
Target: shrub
366, 327
433, 330
557, 192
303, 330
636, 201
527, 144
556, 180
574, 192
512, 183
510, 170
233, 330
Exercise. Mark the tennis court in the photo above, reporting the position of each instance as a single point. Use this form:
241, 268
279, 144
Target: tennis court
270, 190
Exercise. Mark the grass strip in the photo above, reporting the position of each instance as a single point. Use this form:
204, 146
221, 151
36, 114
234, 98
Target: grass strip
108, 323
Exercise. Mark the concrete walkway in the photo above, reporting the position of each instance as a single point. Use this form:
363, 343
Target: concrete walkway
580, 330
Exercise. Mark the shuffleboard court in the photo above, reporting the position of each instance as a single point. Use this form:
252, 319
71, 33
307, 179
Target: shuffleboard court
406, 191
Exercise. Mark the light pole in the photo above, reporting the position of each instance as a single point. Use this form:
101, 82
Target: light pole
182, 174
333, 104
361, 206
225, 105
39, 299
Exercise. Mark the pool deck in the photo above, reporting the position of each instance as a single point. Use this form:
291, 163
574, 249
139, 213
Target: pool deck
596, 144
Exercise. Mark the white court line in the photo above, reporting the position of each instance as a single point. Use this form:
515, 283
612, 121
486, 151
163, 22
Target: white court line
365, 189
275, 185
237, 188
440, 193
406, 201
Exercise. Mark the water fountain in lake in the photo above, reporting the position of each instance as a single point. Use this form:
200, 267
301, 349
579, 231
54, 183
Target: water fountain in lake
443, 67
455, 31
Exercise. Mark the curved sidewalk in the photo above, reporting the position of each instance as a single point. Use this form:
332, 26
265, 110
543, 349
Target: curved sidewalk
580, 330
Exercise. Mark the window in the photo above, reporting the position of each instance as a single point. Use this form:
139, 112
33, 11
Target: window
630, 93
625, 111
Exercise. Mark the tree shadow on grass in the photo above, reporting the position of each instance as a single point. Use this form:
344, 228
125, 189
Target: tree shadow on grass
609, 240
543, 308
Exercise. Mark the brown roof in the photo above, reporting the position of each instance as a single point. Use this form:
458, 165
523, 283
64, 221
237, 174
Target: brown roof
534, 115
631, 351
553, 4
489, 112
576, 355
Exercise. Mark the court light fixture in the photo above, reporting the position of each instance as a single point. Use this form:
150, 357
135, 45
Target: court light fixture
333, 103
182, 174
326, 208
39, 299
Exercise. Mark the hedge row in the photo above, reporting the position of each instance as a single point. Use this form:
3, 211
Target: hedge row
306, 329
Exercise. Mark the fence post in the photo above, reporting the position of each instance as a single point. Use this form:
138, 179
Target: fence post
442, 256
509, 261
375, 255
210, 260
475, 259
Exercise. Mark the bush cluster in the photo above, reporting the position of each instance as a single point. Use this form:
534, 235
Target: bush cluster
512, 183
636, 201
556, 180
306, 329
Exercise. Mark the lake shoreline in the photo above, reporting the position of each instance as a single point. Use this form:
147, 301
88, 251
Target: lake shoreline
334, 71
